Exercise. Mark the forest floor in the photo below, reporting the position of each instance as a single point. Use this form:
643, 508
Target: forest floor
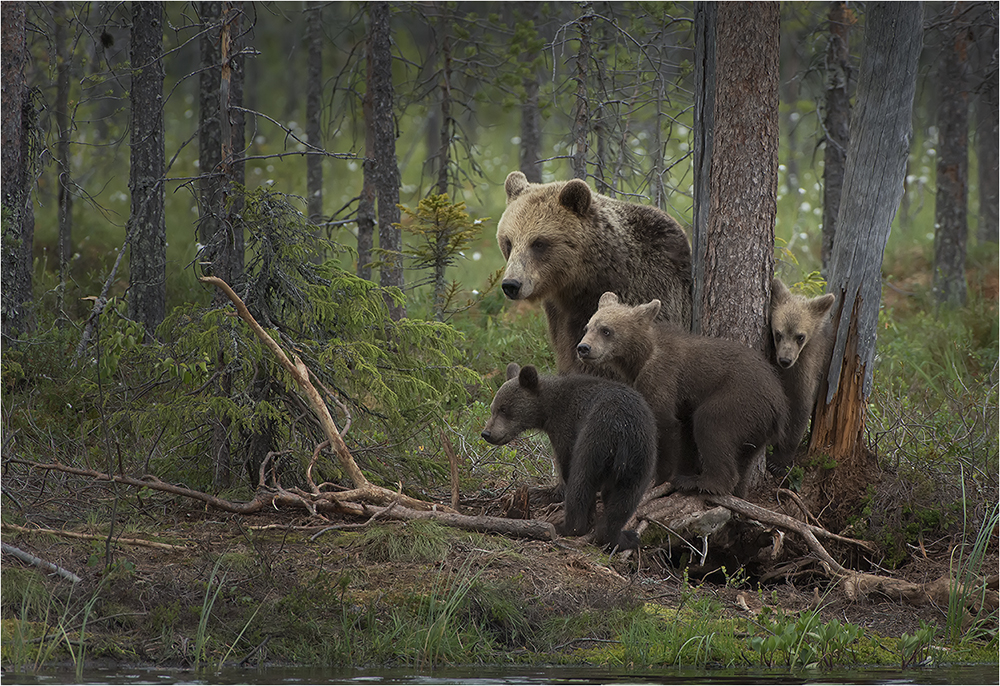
280, 589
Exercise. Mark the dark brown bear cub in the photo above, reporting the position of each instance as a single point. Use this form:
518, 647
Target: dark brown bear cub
717, 403
566, 245
604, 438
803, 336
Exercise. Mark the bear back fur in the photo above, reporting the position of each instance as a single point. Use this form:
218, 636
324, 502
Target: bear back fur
717, 403
603, 435
566, 245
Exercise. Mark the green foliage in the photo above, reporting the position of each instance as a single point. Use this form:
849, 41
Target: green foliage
442, 229
967, 617
915, 649
803, 642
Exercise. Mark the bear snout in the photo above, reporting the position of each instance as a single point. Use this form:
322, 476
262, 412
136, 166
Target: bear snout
486, 435
583, 351
785, 362
511, 288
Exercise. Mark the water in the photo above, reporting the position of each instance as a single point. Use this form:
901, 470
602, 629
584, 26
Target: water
954, 674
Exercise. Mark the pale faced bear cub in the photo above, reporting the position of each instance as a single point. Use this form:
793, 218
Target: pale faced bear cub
566, 245
803, 337
717, 402
604, 438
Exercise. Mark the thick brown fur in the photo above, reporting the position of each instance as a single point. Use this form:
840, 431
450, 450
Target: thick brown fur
802, 334
717, 403
566, 245
604, 438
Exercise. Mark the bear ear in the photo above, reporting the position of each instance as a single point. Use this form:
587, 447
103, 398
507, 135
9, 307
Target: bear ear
512, 370
515, 184
779, 292
576, 196
821, 306
528, 377
608, 298
649, 310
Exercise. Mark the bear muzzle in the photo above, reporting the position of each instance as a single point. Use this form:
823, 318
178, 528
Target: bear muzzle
785, 362
583, 351
511, 288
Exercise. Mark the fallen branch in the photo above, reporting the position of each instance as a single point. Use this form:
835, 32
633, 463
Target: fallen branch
93, 537
39, 562
855, 584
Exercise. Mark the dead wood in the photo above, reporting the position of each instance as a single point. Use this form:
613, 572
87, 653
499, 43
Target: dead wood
93, 537
39, 562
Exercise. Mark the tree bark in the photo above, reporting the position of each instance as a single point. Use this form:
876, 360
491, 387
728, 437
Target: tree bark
531, 117
836, 121
447, 124
581, 110
147, 294
209, 129
705, 19
385, 172
314, 110
987, 122
873, 186
65, 198
951, 228
735, 258
18, 214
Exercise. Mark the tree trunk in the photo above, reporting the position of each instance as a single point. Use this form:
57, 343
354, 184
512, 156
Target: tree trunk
951, 227
705, 19
209, 131
147, 294
385, 171
447, 124
19, 218
987, 121
581, 116
531, 115
735, 258
836, 122
65, 198
873, 186
314, 111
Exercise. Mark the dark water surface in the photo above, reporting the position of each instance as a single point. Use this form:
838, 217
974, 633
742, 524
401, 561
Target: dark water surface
953, 674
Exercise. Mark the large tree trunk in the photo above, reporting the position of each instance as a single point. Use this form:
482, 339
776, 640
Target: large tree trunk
836, 122
385, 172
314, 111
18, 214
873, 186
147, 294
209, 130
447, 124
951, 227
734, 257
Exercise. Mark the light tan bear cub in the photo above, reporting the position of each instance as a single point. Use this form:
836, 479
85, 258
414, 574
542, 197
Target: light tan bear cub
802, 334
566, 245
717, 403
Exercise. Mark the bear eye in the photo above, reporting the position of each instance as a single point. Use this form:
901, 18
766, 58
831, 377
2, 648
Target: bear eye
540, 245
505, 248
605, 331
800, 338
777, 337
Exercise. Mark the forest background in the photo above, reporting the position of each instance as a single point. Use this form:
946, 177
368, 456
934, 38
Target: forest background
95, 377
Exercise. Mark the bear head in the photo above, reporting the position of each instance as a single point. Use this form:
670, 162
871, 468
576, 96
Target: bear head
542, 233
619, 335
516, 407
795, 319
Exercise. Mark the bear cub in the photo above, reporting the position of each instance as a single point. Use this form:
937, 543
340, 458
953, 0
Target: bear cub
802, 333
566, 245
717, 402
604, 438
